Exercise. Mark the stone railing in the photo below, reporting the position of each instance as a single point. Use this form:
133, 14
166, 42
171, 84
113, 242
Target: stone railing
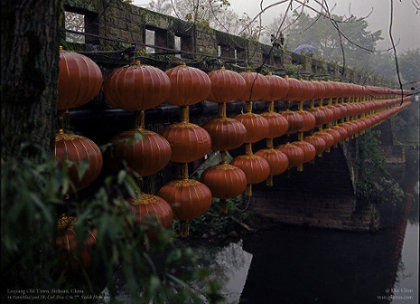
114, 25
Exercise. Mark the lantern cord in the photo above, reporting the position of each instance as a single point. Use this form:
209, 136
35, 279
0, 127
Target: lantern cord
248, 149
223, 157
184, 171
140, 120
222, 110
185, 114
223, 208
184, 228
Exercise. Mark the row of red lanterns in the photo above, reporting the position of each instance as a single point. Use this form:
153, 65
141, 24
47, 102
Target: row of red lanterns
140, 87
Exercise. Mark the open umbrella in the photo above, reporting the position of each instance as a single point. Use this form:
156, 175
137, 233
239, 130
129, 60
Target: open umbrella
305, 49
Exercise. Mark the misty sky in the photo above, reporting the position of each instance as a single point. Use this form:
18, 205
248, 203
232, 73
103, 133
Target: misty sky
406, 25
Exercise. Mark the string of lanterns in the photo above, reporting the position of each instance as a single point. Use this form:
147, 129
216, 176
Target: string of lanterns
335, 113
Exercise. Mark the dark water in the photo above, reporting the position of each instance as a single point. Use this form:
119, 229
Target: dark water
305, 265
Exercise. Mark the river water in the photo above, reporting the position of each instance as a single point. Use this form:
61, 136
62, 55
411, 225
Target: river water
290, 264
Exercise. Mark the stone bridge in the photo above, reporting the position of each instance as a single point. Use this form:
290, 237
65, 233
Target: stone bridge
323, 195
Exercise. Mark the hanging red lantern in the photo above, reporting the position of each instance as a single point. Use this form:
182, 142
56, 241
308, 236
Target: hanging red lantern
277, 124
277, 90
224, 180
294, 154
308, 90
308, 121
277, 160
257, 128
335, 134
256, 87
137, 87
74, 254
343, 132
318, 142
309, 151
79, 80
295, 91
75, 148
149, 205
150, 154
320, 116
226, 133
188, 85
226, 85
277, 87
294, 120
329, 114
328, 138
188, 198
188, 141
255, 168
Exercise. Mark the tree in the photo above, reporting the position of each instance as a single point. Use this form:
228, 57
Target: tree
410, 65
216, 14
29, 61
358, 43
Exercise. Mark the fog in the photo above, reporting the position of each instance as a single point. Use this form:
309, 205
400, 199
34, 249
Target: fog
406, 25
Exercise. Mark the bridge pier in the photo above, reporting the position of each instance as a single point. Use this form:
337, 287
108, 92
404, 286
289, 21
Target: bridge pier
323, 195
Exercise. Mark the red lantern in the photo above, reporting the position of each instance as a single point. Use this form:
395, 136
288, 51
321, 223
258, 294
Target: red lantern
224, 180
257, 127
226, 85
226, 133
308, 90
255, 168
308, 121
277, 124
295, 91
320, 116
146, 156
188, 198
343, 132
188, 85
278, 87
73, 254
294, 120
335, 134
257, 87
329, 114
188, 141
79, 80
309, 151
148, 205
75, 148
137, 87
277, 160
328, 138
318, 142
294, 154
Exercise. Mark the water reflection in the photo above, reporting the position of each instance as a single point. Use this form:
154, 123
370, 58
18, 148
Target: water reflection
306, 265
231, 263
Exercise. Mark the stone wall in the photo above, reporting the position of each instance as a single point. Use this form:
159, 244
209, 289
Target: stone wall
127, 24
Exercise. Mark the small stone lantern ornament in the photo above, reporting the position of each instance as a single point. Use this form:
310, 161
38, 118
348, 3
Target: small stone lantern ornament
188, 198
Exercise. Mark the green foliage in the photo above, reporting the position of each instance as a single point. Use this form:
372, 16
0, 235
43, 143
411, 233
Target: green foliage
374, 183
320, 32
216, 223
410, 65
143, 261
